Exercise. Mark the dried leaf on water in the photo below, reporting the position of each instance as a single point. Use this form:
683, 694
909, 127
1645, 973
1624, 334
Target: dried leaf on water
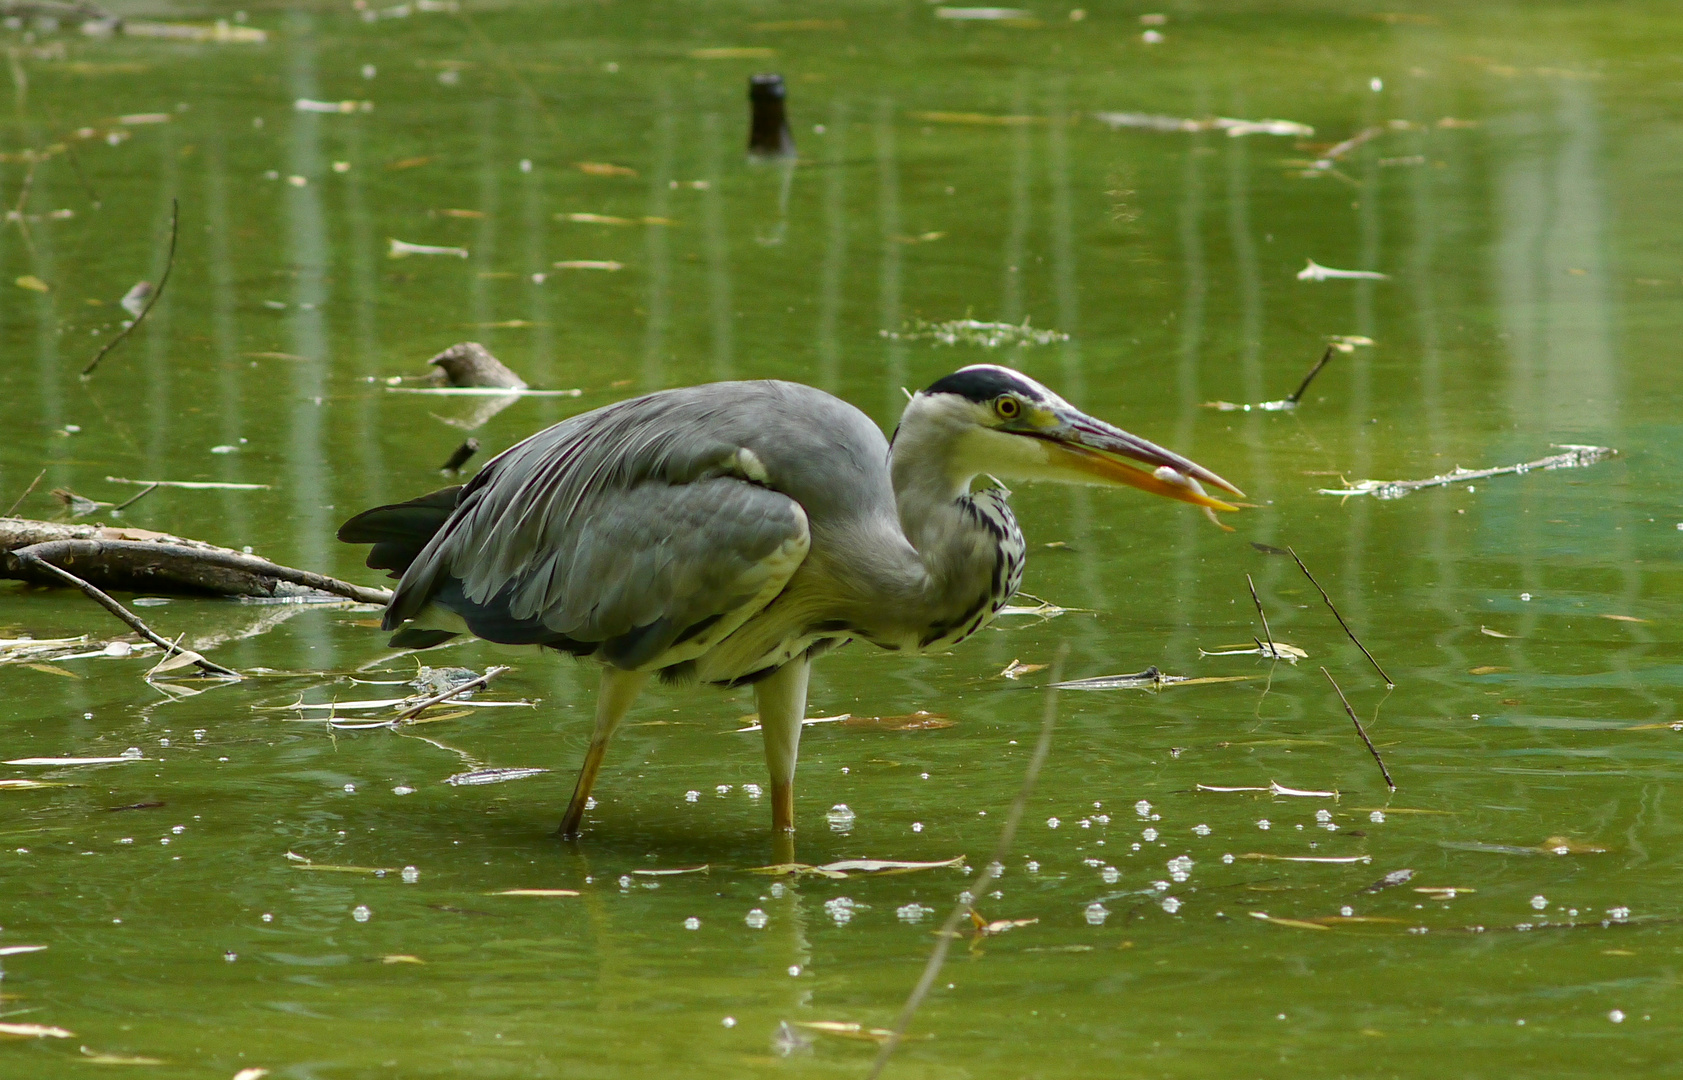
491, 776
400, 958
1487, 632
1443, 892
847, 867
52, 669
1486, 669
1309, 858
1016, 669
1278, 650
1273, 788
603, 168
98, 1057
917, 721
19, 950
846, 1030
302, 863
996, 926
35, 1031
24, 785
1149, 679
1300, 924
1625, 618
675, 871
532, 892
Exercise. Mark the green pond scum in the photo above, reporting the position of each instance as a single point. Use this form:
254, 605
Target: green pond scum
1119, 199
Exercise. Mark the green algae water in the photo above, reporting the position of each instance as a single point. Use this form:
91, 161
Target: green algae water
1509, 170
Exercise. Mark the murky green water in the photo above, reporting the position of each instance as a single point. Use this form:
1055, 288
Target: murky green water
1533, 298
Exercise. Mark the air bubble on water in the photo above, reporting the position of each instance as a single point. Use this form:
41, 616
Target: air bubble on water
840, 910
178, 829
1618, 914
1201, 829
625, 881
163, 742
267, 917
231, 956
1347, 911
1096, 914
753, 790
1142, 808
840, 818
1092, 862
1170, 904
1377, 817
1323, 816
1111, 875
1085, 823
1227, 858
996, 869
723, 789
410, 875
794, 970
966, 897
923, 776
1617, 1016
692, 796
1262, 823
1160, 886
1180, 867
126, 840
1149, 835
1102, 819
729, 1021
1032, 867
777, 889
1525, 596
756, 919
1136, 845
350, 789
361, 913
1052, 823
403, 789
198, 734
1540, 902
692, 923
912, 912
163, 840
131, 752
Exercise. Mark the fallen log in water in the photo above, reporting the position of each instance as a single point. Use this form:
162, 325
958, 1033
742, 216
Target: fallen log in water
139, 560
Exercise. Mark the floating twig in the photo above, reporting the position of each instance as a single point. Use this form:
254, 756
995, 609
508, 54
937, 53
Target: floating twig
422, 706
150, 488
1576, 456
960, 911
1259, 614
28, 555
1334, 609
1372, 749
25, 495
169, 264
1297, 395
190, 485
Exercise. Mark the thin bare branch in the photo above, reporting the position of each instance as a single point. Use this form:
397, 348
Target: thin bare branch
1334, 609
169, 264
1372, 749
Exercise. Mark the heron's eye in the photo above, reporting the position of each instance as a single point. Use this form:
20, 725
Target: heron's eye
1008, 408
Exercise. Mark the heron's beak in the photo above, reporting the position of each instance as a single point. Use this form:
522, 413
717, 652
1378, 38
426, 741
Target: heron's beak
1088, 445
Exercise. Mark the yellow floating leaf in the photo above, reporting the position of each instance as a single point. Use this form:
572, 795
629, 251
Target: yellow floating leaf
1443, 892
1625, 618
53, 669
401, 958
252, 1073
603, 168
1562, 845
33, 284
1298, 923
1016, 669
455, 213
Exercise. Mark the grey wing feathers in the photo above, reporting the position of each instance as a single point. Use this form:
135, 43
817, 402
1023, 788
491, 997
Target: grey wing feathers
638, 526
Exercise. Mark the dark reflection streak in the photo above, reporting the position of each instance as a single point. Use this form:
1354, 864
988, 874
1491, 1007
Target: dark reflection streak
365, 301
835, 251
1245, 266
656, 246
485, 240
888, 210
161, 421
48, 368
1362, 434
718, 248
232, 371
306, 477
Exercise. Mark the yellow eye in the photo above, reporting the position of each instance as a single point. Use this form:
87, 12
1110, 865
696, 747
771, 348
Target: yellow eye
1008, 408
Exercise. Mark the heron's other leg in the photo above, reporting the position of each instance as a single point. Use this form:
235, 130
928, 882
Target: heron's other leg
613, 700
781, 697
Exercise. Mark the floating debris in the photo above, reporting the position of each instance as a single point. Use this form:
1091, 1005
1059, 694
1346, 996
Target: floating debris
1300, 924
1309, 858
1234, 128
76, 760
603, 168
983, 14
300, 862
1273, 788
1016, 669
608, 219
1344, 343
589, 264
1394, 878
1554, 845
188, 485
1316, 272
99, 1057
704, 867
476, 777
849, 867
25, 785
988, 335
401, 250
533, 892
306, 105
20, 950
1275, 650
915, 721
754, 721
847, 1030
1149, 679
35, 1031
1575, 456
983, 119
984, 927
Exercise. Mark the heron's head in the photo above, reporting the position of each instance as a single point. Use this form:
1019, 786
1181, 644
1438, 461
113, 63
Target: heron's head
996, 421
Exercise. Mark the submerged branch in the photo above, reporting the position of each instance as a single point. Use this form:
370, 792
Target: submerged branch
169, 264
1372, 749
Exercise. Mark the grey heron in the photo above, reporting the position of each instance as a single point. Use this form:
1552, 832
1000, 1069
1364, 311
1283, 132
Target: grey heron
732, 532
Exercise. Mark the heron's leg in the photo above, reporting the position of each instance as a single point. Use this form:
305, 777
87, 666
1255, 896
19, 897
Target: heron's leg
613, 700
781, 697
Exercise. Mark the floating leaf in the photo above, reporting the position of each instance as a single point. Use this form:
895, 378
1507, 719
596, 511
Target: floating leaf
848, 867
1309, 858
673, 872
534, 892
1625, 618
53, 669
24, 785
491, 776
1486, 669
1016, 669
1298, 923
401, 958
35, 1031
19, 950
1395, 877
302, 863
603, 168
33, 284
1443, 892
97, 1057
917, 721
254, 1072
846, 1030
1279, 650
1487, 632
1272, 789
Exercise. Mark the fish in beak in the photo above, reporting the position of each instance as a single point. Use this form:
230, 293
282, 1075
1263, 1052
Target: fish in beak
1087, 445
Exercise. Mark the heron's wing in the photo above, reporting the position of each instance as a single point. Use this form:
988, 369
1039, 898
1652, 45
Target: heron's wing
635, 535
